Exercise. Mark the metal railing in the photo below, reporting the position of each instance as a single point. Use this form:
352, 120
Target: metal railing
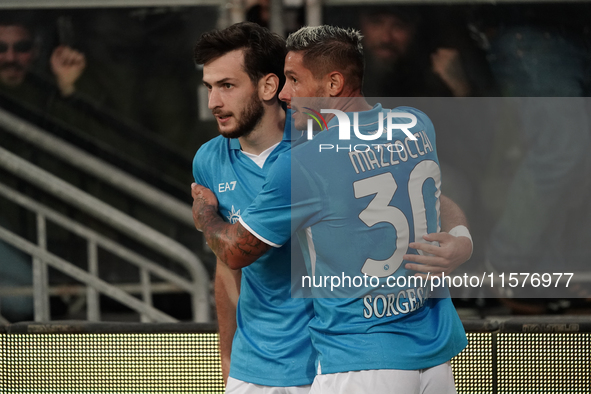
198, 286
98, 168
42, 4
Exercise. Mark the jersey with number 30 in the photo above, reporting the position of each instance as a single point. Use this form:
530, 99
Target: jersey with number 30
356, 205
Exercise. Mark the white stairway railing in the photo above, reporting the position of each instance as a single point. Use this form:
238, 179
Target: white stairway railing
97, 168
198, 283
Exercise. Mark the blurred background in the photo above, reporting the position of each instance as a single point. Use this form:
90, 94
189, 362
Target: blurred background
102, 110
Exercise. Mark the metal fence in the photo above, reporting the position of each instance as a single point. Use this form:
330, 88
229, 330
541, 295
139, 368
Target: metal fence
197, 285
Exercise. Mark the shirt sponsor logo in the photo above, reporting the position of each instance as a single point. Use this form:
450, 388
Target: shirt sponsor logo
225, 186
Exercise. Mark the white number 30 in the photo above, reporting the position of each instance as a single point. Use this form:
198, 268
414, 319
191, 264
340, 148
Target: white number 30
379, 211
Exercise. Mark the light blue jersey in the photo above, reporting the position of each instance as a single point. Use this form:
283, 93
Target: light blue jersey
356, 205
272, 345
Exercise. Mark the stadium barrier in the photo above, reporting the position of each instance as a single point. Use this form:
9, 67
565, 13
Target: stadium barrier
517, 355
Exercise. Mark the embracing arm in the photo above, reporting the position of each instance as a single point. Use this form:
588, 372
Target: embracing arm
232, 243
452, 251
227, 290
451, 214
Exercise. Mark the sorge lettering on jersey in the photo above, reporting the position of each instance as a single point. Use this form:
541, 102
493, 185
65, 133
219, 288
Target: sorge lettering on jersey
386, 305
363, 158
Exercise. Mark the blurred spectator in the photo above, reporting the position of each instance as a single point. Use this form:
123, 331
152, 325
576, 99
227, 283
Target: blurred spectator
31, 93
59, 99
538, 51
541, 53
18, 52
407, 56
428, 52
153, 98
293, 16
259, 13
20, 83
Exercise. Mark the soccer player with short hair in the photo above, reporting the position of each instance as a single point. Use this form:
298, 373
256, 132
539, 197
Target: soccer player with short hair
374, 340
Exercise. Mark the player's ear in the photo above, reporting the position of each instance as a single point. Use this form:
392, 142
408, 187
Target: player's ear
335, 83
268, 86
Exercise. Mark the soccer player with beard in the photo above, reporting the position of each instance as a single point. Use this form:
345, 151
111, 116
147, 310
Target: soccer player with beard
264, 340
359, 346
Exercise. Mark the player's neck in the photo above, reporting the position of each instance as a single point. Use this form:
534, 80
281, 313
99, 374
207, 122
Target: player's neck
268, 132
352, 101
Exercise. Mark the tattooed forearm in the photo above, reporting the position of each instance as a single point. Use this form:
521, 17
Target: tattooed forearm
232, 243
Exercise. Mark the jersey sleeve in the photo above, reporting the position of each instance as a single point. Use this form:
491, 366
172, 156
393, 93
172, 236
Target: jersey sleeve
289, 201
200, 172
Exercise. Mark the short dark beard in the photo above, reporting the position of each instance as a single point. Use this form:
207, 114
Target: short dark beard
250, 117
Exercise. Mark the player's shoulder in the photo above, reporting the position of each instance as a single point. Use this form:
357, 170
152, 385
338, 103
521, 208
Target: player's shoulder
306, 151
423, 120
213, 148
421, 116
210, 154
283, 161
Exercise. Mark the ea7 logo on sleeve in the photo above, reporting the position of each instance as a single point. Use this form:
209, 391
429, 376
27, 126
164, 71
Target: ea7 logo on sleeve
225, 186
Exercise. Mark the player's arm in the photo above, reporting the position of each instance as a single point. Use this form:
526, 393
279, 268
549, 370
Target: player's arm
455, 244
232, 243
227, 290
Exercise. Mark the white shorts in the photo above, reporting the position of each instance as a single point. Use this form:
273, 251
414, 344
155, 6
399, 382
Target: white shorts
434, 380
235, 386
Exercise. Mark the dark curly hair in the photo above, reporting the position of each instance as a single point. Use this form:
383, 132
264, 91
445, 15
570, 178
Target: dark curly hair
264, 52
